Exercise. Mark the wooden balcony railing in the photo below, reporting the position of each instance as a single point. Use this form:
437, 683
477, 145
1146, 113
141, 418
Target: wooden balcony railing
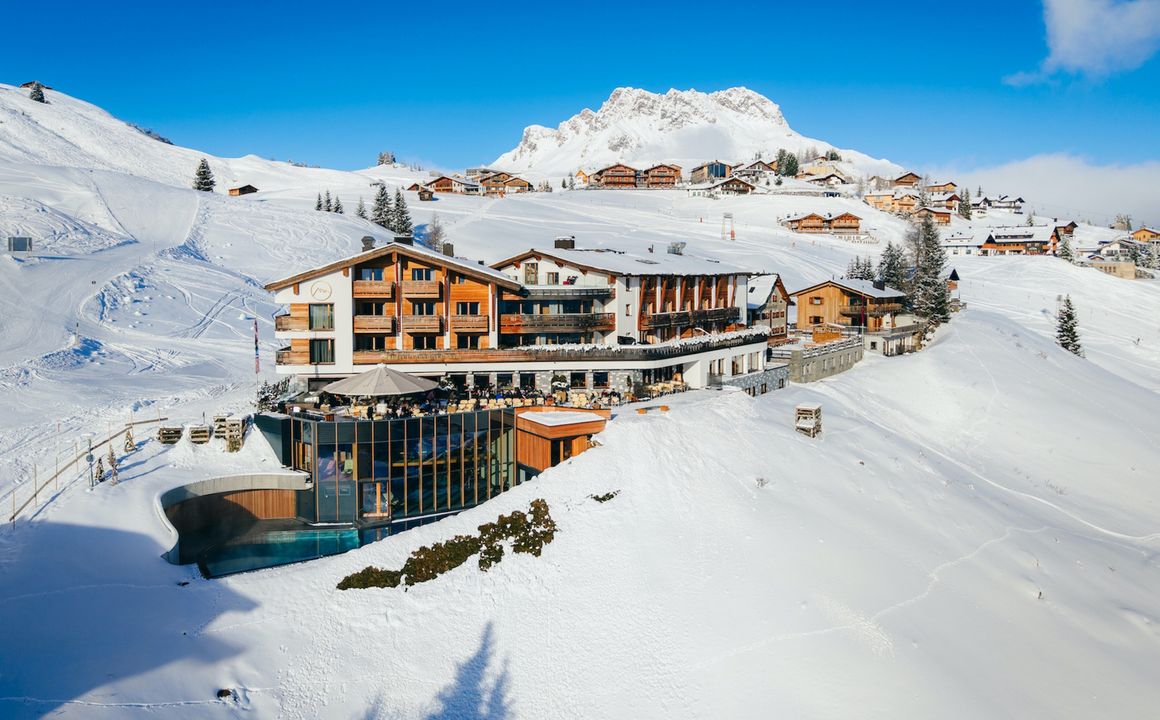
667, 319
567, 322
722, 314
421, 288
421, 323
374, 323
287, 323
373, 288
469, 323
876, 310
286, 356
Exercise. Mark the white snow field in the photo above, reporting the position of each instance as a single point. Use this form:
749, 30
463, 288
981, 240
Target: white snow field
975, 534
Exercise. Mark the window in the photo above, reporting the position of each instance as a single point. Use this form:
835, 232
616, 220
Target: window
531, 273
628, 309
422, 307
466, 308
467, 342
457, 279
503, 380
369, 307
553, 278
528, 381
578, 380
815, 300
370, 342
322, 352
600, 380
425, 342
322, 317
370, 274
422, 274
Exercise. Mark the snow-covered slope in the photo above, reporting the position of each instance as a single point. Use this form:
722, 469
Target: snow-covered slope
683, 127
890, 568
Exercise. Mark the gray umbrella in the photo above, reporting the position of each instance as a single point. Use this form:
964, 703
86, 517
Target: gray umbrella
381, 380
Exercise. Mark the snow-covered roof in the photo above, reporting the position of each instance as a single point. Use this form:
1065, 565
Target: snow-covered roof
860, 287
618, 262
463, 265
760, 289
1021, 234
558, 418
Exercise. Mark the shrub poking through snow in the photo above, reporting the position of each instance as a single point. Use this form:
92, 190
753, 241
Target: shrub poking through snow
527, 532
605, 497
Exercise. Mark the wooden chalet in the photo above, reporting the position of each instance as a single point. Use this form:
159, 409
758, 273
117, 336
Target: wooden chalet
831, 179
358, 310
846, 223
943, 187
660, 177
880, 200
768, 306
905, 202
851, 303
1018, 240
732, 186
1142, 235
752, 170
415, 187
457, 186
550, 435
907, 180
517, 185
242, 190
495, 183
426, 194
617, 177
582, 177
808, 223
940, 216
710, 171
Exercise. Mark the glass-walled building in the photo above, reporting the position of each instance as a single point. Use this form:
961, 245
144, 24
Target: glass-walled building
384, 471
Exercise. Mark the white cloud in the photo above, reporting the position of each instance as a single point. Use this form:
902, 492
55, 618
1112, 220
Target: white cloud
1095, 38
1067, 186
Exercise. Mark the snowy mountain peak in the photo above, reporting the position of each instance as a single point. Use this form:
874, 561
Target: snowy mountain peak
683, 126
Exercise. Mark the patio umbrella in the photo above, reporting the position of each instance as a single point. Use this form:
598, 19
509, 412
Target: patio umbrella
379, 381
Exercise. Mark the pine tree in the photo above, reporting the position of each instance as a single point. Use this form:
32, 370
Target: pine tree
1065, 250
1066, 332
791, 165
327, 205
338, 205
929, 295
99, 470
965, 205
203, 178
402, 217
892, 267
381, 210
360, 210
318, 203
36, 92
113, 475
564, 183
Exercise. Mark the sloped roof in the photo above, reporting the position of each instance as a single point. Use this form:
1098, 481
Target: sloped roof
417, 252
617, 262
858, 287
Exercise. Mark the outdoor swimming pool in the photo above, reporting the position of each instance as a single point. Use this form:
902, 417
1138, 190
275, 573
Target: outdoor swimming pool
276, 547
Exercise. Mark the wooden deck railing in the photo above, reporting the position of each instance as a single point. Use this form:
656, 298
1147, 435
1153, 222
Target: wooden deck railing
373, 288
374, 323
557, 321
421, 288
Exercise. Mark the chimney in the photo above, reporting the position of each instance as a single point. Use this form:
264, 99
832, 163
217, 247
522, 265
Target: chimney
880, 284
368, 243
404, 240
566, 243
449, 250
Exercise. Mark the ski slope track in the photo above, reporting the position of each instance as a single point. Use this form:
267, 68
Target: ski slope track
976, 532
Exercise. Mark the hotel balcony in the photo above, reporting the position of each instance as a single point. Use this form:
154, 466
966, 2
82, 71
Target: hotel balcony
421, 323
373, 288
286, 356
374, 323
288, 323
421, 288
722, 314
877, 310
558, 322
469, 323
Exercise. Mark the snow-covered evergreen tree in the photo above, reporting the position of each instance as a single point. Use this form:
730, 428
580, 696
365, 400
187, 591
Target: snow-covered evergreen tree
892, 267
327, 203
402, 224
36, 92
203, 177
929, 295
338, 205
965, 204
318, 203
360, 210
1064, 251
113, 474
1066, 330
381, 210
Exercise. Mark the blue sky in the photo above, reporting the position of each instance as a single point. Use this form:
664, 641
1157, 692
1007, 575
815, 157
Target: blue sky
944, 85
